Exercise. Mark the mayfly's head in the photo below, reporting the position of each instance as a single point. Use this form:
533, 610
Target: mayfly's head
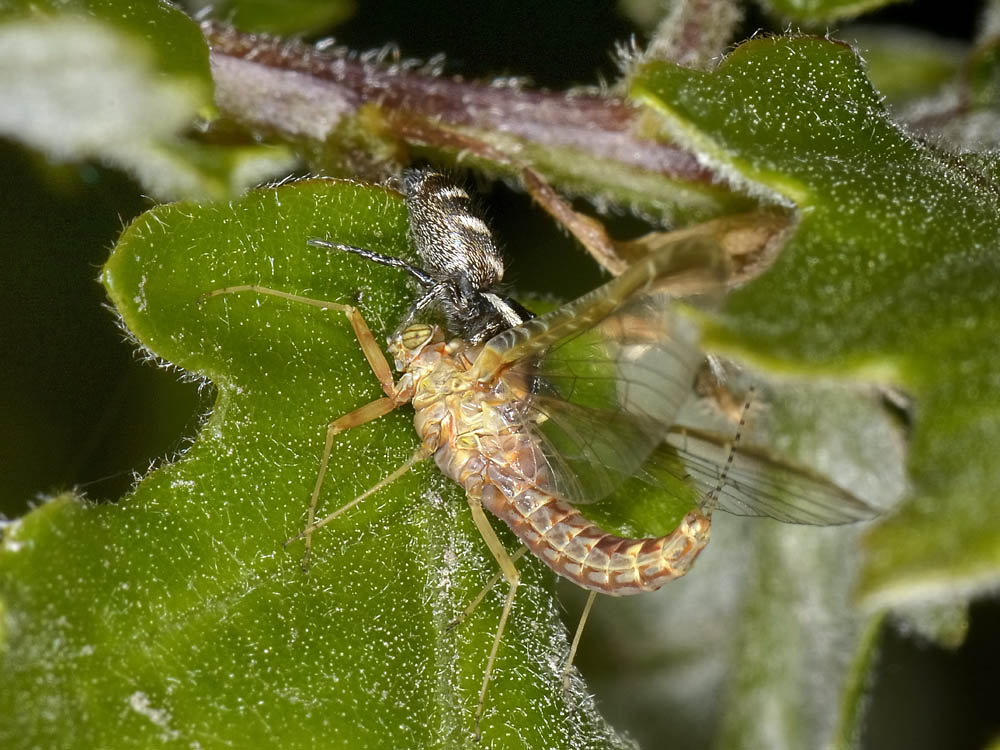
410, 343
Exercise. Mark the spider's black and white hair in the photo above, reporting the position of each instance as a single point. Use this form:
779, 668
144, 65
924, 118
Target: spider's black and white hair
462, 265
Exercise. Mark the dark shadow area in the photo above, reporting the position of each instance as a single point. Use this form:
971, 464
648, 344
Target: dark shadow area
926, 696
78, 409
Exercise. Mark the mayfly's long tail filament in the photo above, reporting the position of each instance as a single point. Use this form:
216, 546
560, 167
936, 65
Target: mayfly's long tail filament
712, 499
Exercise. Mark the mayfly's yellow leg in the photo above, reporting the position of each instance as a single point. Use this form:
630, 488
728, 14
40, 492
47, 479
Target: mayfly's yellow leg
312, 526
576, 638
369, 346
485, 590
509, 571
367, 413
496, 579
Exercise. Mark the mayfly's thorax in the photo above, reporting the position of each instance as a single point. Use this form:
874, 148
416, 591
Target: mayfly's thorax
471, 427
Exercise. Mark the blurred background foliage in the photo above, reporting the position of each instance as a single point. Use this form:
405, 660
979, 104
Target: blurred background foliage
78, 409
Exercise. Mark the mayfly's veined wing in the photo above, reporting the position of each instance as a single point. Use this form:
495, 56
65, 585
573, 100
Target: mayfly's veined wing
605, 375
756, 482
603, 398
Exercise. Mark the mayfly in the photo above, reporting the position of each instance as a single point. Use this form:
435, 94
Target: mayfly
535, 415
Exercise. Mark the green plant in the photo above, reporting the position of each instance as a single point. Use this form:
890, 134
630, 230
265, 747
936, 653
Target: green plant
174, 617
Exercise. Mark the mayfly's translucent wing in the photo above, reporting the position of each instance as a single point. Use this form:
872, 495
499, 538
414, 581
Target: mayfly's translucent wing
756, 482
603, 398
606, 375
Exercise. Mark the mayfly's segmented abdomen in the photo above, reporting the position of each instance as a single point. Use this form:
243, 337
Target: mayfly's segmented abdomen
589, 556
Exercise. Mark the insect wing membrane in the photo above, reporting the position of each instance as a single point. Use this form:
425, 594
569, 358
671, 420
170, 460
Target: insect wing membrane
756, 482
604, 398
606, 376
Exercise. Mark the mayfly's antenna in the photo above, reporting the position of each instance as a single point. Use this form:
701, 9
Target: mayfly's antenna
712, 501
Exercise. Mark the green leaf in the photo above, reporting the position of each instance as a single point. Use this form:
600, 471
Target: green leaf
176, 618
161, 35
963, 115
283, 17
821, 11
983, 74
905, 64
890, 277
760, 644
120, 81
797, 618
